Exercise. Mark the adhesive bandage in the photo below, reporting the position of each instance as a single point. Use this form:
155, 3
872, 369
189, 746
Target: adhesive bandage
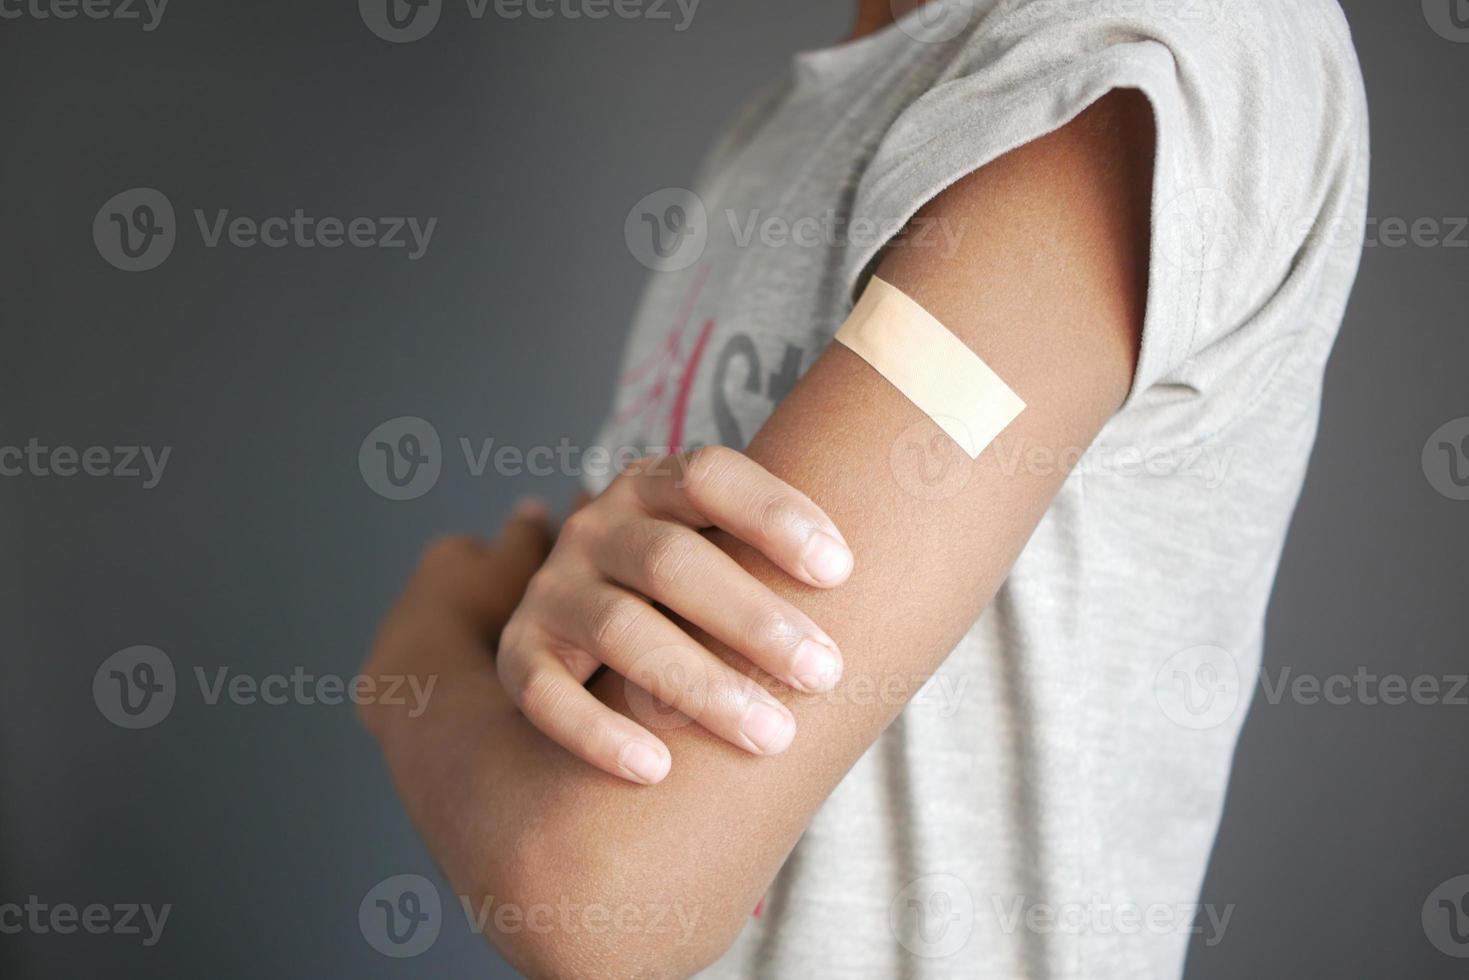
933, 369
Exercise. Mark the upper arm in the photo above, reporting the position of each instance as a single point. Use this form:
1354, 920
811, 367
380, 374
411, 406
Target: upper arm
1048, 286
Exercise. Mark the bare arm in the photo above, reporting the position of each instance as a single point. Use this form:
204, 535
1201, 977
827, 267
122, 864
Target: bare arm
1048, 287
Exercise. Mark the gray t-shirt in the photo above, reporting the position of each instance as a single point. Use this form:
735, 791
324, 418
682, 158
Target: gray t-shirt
1046, 806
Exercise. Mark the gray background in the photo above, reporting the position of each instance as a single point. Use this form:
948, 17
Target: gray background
263, 549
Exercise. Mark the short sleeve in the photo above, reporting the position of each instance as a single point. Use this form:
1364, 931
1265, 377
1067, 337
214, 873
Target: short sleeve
1258, 112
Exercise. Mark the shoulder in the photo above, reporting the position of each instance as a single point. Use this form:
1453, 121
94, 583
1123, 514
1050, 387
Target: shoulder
1237, 72
1260, 136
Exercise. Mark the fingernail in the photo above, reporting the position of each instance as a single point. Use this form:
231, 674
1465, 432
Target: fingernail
827, 559
531, 508
769, 728
816, 668
643, 762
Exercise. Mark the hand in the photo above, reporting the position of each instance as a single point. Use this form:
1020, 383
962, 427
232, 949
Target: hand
592, 604
448, 618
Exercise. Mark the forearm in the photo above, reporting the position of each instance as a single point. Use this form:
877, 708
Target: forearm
561, 879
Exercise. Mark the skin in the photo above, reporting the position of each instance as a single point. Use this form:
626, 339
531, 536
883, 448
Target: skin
595, 601
1048, 286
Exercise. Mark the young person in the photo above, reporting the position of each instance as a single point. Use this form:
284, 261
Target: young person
937, 717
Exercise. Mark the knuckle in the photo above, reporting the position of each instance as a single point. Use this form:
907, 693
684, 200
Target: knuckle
627, 479
590, 738
769, 624
511, 637
731, 694
540, 589
613, 621
539, 693
776, 514
515, 638
705, 470
672, 680
665, 558
579, 527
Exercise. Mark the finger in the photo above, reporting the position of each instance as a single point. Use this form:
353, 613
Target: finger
624, 632
481, 580
571, 716
526, 538
683, 570
463, 573
719, 487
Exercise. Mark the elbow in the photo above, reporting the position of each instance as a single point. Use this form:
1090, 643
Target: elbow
563, 906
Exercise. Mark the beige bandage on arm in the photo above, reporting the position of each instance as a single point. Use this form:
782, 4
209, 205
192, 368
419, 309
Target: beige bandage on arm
933, 369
